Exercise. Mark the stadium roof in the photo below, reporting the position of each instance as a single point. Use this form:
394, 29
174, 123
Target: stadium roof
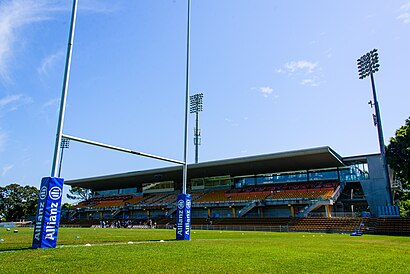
306, 159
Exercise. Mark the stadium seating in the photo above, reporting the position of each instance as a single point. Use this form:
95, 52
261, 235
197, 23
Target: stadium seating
120, 206
153, 198
197, 194
280, 191
313, 190
384, 226
135, 200
302, 194
160, 207
110, 201
392, 226
253, 221
322, 224
227, 196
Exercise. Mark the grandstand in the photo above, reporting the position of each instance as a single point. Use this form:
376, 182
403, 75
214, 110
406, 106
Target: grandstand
305, 190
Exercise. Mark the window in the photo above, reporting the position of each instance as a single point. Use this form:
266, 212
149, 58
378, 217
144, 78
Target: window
323, 175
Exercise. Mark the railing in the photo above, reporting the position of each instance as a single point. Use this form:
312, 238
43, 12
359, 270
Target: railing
337, 193
116, 212
8, 224
60, 226
280, 228
335, 214
72, 215
313, 205
287, 201
172, 210
323, 230
247, 208
219, 203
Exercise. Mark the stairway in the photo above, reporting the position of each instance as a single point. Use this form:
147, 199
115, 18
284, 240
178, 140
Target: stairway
247, 208
72, 215
312, 206
338, 191
172, 210
115, 213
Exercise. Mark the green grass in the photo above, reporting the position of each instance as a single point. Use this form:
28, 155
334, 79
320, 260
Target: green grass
207, 252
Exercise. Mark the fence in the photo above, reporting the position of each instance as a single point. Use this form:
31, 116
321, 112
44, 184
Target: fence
280, 228
335, 214
8, 224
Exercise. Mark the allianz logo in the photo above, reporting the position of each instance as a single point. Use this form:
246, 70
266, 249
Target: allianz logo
181, 204
43, 193
55, 193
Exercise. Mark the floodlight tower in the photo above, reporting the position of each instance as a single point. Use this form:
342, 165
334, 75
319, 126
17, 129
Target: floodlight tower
368, 64
195, 107
65, 143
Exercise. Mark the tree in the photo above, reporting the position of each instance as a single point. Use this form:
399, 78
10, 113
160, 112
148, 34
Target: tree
78, 193
66, 206
398, 157
18, 202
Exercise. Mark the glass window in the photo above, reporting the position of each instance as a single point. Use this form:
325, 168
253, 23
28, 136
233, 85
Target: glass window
245, 181
323, 175
355, 172
131, 190
217, 181
166, 185
261, 180
106, 192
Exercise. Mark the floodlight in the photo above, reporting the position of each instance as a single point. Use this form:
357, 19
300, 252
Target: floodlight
196, 103
65, 143
367, 65
196, 106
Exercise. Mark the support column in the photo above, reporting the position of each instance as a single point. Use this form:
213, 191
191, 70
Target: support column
292, 211
328, 211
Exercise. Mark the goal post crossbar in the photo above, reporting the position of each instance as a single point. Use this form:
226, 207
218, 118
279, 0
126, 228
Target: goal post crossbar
85, 141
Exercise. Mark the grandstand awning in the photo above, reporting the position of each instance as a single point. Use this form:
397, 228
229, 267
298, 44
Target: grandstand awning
306, 159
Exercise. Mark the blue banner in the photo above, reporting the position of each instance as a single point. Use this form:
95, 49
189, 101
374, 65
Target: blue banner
48, 213
183, 219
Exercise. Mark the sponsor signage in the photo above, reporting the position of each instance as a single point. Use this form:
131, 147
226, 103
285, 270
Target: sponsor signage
48, 213
183, 218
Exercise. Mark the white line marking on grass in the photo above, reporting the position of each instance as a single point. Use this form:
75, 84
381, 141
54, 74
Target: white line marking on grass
65, 246
88, 245
111, 244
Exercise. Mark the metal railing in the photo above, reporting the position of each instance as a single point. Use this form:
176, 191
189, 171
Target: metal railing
335, 214
280, 228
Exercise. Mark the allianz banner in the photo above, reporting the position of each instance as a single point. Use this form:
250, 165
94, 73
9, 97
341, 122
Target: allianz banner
183, 218
48, 213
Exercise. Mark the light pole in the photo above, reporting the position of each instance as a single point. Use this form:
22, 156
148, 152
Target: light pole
195, 107
65, 143
368, 64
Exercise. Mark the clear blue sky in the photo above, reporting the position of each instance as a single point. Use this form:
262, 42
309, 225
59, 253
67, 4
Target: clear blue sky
276, 76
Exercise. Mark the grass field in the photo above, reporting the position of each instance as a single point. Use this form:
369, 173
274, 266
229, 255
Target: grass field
155, 251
